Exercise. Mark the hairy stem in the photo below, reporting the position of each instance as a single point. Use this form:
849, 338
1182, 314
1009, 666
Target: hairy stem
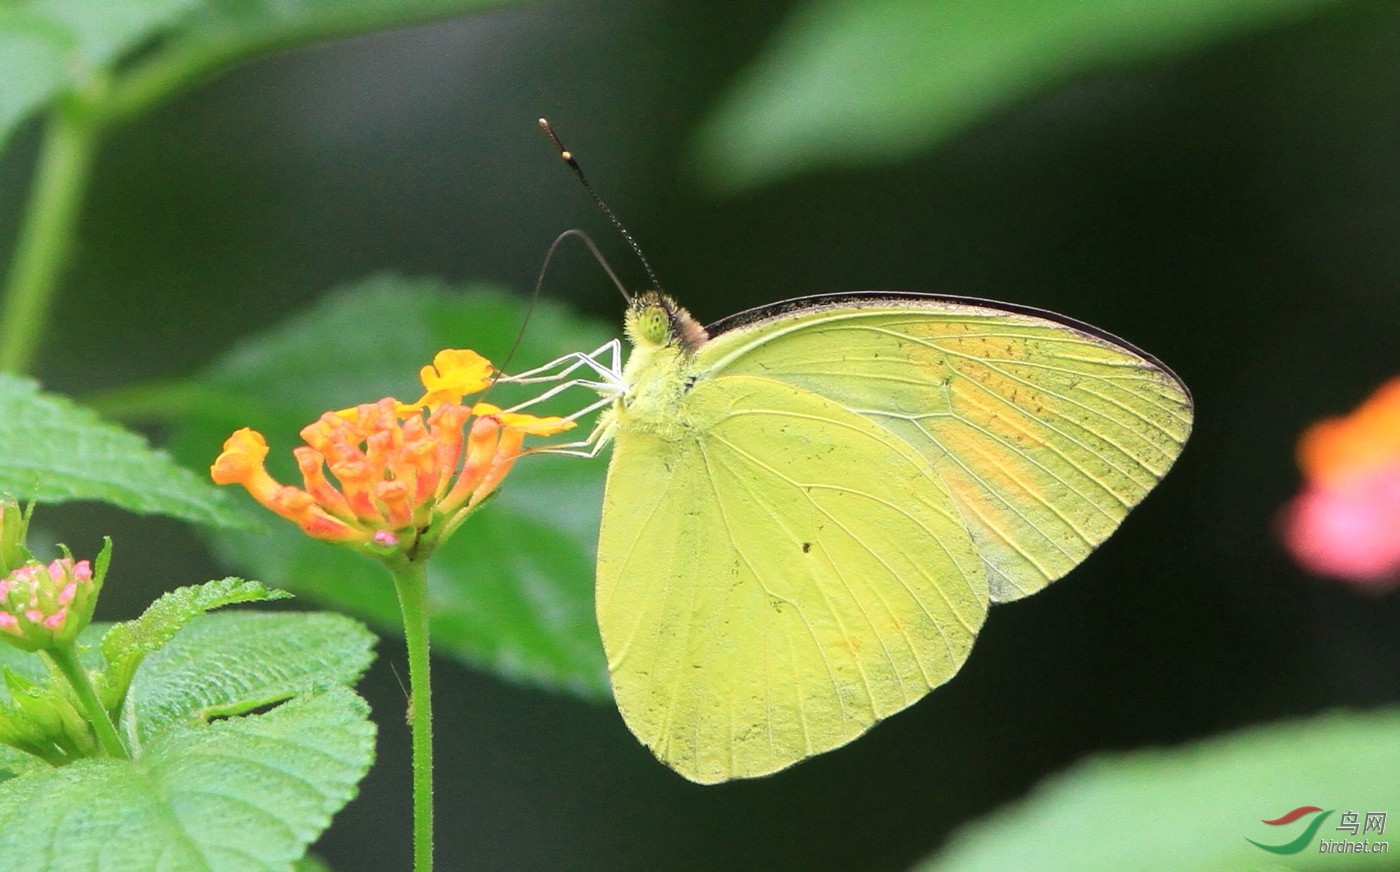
67, 661
411, 581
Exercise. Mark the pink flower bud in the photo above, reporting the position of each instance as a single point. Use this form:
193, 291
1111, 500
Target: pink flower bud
37, 600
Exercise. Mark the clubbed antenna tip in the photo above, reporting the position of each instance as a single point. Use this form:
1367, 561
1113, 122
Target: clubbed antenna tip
568, 157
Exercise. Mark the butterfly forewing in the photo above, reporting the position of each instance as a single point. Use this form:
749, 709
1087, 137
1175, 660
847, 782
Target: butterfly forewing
1044, 431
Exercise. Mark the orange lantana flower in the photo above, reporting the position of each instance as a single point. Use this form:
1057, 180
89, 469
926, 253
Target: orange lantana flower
402, 476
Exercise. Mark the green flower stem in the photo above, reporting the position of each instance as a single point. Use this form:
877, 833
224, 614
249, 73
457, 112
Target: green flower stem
47, 232
411, 581
66, 658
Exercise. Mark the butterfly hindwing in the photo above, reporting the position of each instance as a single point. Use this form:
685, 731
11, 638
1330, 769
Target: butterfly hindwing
776, 580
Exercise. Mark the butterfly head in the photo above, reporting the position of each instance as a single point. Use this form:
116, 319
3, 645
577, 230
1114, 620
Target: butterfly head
654, 319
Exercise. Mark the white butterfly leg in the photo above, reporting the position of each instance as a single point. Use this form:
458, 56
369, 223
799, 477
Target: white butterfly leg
590, 447
610, 371
605, 362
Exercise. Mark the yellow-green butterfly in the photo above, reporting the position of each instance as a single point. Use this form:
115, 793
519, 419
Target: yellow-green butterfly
810, 506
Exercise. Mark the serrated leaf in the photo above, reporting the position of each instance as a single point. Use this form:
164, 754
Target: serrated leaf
219, 665
262, 658
163, 618
53, 450
1192, 809
512, 591
864, 82
127, 643
244, 795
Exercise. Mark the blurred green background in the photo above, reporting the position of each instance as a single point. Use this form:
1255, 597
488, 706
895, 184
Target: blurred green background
1232, 207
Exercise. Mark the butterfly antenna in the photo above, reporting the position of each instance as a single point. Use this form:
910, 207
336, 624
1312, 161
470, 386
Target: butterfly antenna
597, 255
535, 295
578, 171
539, 283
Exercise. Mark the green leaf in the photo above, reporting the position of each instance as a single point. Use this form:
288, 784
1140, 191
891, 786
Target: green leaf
217, 666
163, 618
263, 658
863, 82
261, 20
222, 32
14, 761
51, 47
48, 47
245, 795
1193, 809
512, 591
28, 666
45, 718
103, 31
53, 450
32, 65
127, 643
197, 788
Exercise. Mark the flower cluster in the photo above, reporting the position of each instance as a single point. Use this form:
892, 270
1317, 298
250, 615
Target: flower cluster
45, 606
389, 477
1346, 522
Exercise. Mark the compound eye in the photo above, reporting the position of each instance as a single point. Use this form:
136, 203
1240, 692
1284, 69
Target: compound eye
655, 324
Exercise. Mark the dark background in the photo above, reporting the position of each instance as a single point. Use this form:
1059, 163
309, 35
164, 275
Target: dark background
1235, 212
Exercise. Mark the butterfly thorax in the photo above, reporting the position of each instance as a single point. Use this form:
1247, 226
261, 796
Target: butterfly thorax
658, 372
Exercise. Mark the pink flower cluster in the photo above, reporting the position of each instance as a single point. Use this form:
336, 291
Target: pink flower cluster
36, 600
1346, 521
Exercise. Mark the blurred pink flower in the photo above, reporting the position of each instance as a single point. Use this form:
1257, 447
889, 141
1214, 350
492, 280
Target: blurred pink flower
1346, 522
